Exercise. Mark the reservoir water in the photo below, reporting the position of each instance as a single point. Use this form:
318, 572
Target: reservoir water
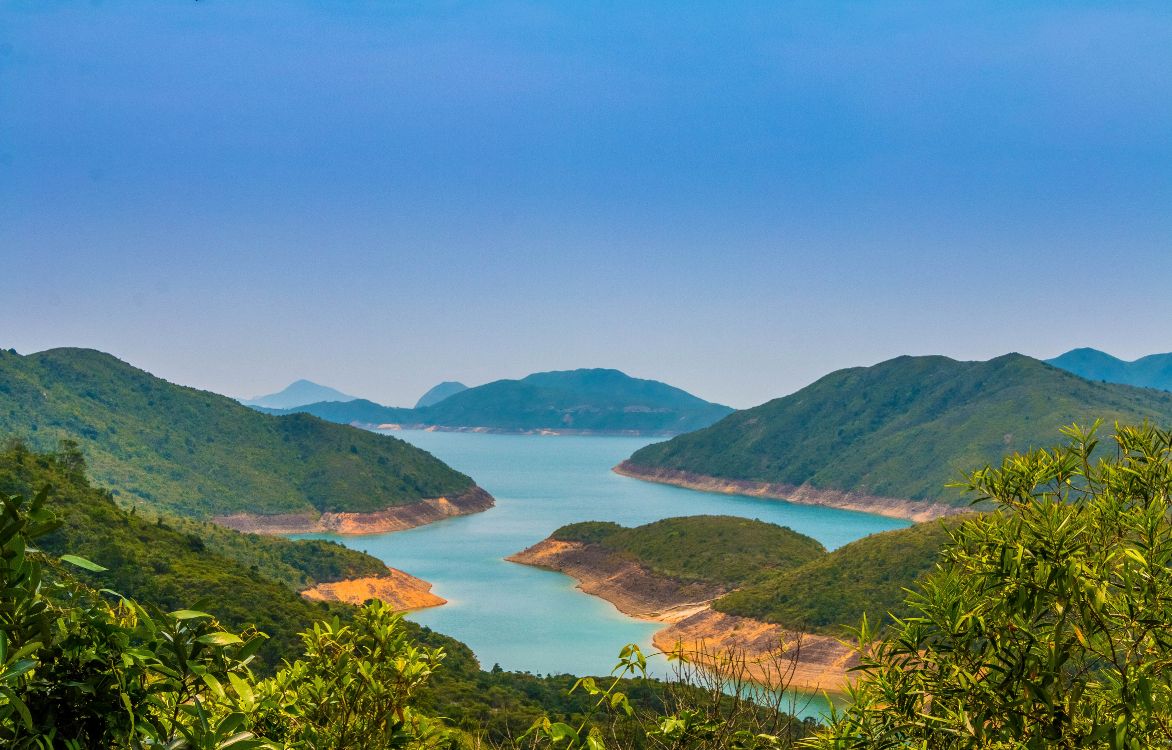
532, 620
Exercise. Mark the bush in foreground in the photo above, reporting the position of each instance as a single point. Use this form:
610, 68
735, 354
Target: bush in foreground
1047, 622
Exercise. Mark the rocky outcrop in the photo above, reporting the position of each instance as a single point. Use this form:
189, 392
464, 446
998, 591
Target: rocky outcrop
807, 661
399, 590
912, 510
395, 518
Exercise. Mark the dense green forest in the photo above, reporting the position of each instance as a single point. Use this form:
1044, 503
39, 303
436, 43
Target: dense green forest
172, 448
593, 400
726, 550
831, 593
904, 428
1152, 371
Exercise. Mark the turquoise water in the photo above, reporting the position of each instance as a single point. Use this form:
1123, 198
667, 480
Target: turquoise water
534, 620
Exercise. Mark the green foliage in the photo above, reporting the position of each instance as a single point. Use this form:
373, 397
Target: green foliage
904, 428
1046, 625
297, 564
725, 550
168, 563
720, 711
832, 593
591, 400
81, 671
195, 453
353, 688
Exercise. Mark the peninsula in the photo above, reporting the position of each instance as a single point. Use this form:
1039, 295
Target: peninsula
723, 584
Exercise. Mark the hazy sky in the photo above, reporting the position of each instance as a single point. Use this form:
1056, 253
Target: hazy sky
733, 197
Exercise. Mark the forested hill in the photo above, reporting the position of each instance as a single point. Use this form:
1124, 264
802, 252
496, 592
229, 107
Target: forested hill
1152, 371
589, 400
201, 454
831, 593
901, 429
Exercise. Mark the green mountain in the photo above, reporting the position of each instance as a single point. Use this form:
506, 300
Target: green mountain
438, 393
196, 453
1152, 371
831, 593
898, 430
725, 550
298, 393
594, 401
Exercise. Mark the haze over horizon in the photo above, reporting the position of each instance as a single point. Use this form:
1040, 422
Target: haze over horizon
735, 201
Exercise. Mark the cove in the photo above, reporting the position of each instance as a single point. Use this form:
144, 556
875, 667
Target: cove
533, 620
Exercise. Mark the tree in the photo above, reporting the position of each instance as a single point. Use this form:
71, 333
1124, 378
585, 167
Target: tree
1048, 621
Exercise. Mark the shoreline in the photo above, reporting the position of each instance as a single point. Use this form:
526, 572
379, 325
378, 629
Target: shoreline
820, 664
401, 591
536, 431
394, 518
892, 507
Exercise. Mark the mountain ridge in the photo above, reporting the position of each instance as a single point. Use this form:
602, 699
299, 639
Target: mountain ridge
200, 454
583, 401
888, 438
1150, 371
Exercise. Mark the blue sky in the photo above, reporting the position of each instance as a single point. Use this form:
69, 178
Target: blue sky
734, 198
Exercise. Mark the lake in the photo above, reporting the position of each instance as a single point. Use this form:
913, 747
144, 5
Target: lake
533, 620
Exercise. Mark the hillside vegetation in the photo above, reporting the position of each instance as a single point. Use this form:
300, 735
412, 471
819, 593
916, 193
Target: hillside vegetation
726, 550
173, 566
605, 401
901, 429
831, 594
196, 453
1152, 371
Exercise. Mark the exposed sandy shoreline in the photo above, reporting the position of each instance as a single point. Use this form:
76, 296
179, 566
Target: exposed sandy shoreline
821, 662
542, 431
401, 591
912, 510
395, 518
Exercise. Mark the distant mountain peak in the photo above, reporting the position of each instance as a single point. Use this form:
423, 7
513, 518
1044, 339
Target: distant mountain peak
298, 393
1152, 371
439, 392
583, 401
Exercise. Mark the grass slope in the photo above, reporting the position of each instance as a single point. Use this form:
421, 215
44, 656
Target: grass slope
1152, 371
832, 593
591, 400
719, 549
903, 428
192, 452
